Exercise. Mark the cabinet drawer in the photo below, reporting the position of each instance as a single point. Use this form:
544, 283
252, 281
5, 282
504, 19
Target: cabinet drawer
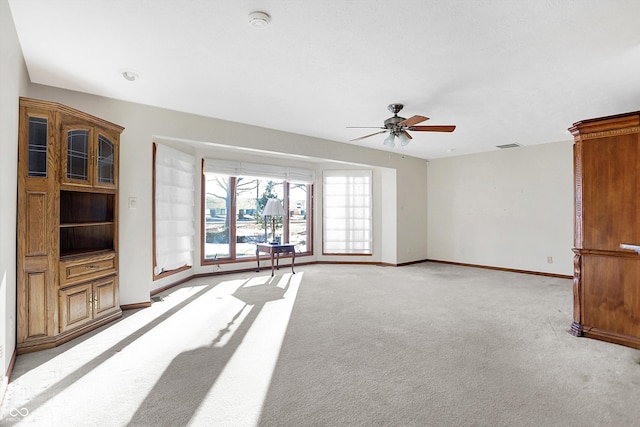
77, 270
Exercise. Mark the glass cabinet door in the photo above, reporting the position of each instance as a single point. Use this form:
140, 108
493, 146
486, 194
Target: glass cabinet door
106, 155
38, 138
76, 155
89, 157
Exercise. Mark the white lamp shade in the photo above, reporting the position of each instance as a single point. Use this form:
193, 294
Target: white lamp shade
273, 208
389, 140
403, 138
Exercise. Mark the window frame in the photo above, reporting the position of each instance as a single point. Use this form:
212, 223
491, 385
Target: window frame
233, 258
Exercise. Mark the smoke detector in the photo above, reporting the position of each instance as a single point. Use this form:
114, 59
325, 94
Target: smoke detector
129, 74
259, 19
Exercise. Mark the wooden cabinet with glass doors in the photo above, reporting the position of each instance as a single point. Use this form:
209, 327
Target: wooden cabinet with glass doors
67, 224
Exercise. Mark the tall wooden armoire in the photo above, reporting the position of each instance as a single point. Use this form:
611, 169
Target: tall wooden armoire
67, 263
606, 283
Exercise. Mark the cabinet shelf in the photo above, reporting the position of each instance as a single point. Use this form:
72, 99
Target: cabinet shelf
70, 254
84, 207
85, 224
87, 237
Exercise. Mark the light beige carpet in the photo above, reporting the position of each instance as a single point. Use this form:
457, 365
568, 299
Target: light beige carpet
337, 345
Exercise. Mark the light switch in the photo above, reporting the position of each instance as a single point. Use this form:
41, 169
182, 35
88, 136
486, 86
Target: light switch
132, 202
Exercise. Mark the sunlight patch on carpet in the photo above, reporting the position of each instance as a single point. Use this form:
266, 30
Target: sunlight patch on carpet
238, 394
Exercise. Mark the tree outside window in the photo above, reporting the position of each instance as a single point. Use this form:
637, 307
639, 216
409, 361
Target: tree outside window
233, 225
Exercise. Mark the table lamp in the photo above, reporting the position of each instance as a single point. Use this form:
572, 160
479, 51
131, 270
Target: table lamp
273, 209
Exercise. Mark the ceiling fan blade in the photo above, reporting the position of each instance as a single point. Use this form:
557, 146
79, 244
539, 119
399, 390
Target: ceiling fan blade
367, 136
365, 127
443, 128
413, 120
407, 134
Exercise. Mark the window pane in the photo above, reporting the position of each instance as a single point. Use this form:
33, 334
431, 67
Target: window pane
347, 221
217, 209
37, 147
251, 196
298, 224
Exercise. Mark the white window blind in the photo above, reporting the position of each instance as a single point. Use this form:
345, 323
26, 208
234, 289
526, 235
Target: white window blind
174, 204
347, 212
234, 168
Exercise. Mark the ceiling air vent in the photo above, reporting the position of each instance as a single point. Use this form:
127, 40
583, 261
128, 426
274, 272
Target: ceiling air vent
502, 147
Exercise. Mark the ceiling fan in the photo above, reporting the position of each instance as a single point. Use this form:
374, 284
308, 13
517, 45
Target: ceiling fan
398, 126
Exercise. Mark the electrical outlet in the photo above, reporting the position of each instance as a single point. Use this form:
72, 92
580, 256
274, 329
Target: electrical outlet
549, 260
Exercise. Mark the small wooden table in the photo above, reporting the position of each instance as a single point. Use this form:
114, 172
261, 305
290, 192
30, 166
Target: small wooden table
275, 249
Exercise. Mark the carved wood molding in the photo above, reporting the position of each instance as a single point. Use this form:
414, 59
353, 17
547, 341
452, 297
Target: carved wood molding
64, 109
577, 172
576, 326
622, 253
606, 133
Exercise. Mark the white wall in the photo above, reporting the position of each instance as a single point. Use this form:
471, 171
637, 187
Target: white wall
511, 208
13, 81
412, 212
145, 124
388, 214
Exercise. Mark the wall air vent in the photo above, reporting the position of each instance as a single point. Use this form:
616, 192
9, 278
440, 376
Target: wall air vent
514, 145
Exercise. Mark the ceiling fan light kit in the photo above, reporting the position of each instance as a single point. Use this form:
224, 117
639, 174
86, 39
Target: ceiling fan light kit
388, 141
398, 126
404, 138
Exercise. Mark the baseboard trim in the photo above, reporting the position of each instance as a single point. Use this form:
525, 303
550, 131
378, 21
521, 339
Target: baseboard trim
380, 264
511, 270
171, 285
135, 306
7, 377
351, 262
412, 262
250, 269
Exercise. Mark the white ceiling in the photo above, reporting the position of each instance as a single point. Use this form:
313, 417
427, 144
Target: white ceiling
503, 71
